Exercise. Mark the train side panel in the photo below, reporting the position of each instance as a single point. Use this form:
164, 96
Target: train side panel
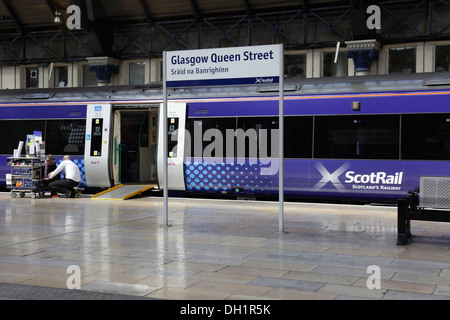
379, 178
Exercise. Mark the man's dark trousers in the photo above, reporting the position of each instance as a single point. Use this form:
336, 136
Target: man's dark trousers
64, 186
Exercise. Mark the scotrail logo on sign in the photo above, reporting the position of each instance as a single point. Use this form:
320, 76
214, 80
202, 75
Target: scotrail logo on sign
264, 80
356, 180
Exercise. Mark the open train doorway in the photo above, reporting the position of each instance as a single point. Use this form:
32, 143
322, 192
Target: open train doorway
135, 144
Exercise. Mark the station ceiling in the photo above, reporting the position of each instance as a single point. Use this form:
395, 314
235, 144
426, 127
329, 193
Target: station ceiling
132, 29
22, 15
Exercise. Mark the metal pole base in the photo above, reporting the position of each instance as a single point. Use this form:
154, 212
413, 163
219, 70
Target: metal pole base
165, 225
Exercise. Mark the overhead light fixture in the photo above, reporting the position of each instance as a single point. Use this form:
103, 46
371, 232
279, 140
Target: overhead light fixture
57, 17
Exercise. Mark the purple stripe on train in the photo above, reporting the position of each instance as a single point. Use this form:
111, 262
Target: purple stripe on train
357, 179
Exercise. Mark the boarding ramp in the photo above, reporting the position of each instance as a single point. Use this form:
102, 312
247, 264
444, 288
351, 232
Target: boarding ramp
123, 191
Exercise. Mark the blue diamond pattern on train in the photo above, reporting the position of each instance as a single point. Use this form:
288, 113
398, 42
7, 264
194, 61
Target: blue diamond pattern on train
226, 177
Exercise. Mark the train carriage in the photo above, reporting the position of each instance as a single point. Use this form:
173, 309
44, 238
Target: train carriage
354, 138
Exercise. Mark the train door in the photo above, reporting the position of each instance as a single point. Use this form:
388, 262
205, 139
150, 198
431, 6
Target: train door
123, 145
135, 141
97, 145
176, 140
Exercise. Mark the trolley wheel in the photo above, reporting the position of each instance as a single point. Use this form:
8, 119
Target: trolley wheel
22, 194
13, 194
33, 195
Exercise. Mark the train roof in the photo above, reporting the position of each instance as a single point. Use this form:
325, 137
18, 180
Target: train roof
309, 86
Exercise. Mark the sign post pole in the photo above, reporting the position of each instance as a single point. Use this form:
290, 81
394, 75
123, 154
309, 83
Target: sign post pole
165, 145
281, 144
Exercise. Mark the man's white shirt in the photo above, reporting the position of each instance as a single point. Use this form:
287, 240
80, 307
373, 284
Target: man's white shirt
71, 171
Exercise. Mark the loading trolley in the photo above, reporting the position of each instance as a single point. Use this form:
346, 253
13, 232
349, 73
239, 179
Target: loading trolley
26, 176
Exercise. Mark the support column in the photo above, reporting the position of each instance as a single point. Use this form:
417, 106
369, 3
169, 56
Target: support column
363, 53
104, 67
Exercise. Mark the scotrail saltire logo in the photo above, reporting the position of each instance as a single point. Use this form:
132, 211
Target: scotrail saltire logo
333, 178
264, 80
373, 181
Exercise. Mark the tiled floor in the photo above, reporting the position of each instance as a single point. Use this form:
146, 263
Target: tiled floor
218, 250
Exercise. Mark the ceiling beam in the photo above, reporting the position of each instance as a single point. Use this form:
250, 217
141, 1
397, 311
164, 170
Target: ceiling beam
12, 13
53, 6
100, 28
146, 11
59, 5
194, 8
248, 10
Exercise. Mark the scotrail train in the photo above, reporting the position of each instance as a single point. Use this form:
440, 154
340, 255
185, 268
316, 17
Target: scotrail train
354, 138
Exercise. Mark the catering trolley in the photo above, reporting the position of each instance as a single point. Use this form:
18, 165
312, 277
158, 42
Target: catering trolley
26, 176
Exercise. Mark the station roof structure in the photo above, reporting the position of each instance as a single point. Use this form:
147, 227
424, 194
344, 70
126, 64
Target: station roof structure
39, 14
135, 29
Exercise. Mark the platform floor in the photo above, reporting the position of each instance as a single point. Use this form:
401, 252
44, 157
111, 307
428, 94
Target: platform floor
215, 250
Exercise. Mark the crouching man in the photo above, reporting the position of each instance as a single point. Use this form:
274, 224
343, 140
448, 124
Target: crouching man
71, 179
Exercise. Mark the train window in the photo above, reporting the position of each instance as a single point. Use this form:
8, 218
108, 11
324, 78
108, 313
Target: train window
402, 60
256, 141
426, 137
442, 58
203, 141
298, 137
247, 143
65, 137
14, 131
357, 137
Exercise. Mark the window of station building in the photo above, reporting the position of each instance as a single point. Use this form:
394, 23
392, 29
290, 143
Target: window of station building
32, 77
426, 137
60, 76
357, 137
338, 69
89, 77
402, 60
137, 73
295, 66
442, 58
